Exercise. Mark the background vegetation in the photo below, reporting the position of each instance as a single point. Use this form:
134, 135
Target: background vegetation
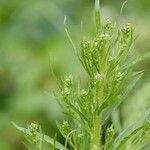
33, 37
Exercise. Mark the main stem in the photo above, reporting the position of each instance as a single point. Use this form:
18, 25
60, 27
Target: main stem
95, 139
95, 132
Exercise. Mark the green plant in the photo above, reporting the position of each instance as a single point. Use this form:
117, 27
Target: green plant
108, 60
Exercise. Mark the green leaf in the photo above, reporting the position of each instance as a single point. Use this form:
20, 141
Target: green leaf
45, 137
97, 16
108, 111
137, 60
125, 135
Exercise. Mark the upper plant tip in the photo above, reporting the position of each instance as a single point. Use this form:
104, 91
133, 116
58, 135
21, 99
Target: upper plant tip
97, 5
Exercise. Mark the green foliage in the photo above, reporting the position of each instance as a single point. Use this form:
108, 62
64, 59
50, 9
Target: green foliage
38, 139
108, 60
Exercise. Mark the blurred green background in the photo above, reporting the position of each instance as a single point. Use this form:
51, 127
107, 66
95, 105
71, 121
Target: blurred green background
33, 42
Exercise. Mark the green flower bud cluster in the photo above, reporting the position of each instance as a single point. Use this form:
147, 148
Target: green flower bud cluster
126, 38
84, 104
65, 127
84, 94
67, 86
93, 53
110, 133
86, 56
65, 93
33, 129
69, 81
105, 37
86, 46
108, 27
99, 41
127, 30
97, 78
126, 34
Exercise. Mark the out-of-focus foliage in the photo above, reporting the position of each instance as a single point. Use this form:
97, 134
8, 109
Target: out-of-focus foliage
32, 36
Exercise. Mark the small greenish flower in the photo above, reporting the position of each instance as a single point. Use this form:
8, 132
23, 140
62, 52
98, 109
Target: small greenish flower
127, 32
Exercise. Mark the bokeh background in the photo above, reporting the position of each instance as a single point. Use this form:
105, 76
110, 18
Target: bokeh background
33, 42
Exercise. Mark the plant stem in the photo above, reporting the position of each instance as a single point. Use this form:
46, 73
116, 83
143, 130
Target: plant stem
95, 141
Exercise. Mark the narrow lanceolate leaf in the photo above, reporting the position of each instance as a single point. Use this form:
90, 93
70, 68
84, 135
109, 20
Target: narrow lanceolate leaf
137, 60
125, 135
97, 16
45, 138
107, 112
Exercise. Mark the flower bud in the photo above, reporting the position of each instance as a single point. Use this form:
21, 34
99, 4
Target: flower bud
68, 81
33, 127
65, 127
127, 32
65, 92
